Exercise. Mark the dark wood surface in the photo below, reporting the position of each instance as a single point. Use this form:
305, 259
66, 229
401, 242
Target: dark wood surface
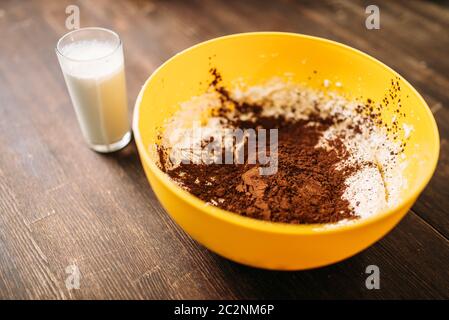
62, 204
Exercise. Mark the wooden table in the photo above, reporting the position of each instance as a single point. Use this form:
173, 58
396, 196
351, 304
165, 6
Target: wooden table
62, 204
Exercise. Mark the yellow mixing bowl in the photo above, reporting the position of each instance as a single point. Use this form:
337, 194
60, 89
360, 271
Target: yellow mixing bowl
254, 58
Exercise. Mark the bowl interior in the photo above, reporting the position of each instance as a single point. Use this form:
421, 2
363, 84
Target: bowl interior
256, 57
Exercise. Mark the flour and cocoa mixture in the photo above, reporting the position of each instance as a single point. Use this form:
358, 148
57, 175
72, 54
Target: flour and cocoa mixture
335, 163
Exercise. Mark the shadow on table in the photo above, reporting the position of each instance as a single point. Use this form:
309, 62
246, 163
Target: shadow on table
339, 281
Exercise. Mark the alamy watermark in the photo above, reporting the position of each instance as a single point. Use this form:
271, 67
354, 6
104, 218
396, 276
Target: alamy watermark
72, 22
73, 280
228, 146
373, 280
373, 19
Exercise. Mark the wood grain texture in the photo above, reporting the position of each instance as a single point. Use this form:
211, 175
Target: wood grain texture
62, 204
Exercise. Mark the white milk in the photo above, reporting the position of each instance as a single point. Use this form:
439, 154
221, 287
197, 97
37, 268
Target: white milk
95, 77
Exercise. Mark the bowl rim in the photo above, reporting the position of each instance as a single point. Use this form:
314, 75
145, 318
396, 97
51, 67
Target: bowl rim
277, 227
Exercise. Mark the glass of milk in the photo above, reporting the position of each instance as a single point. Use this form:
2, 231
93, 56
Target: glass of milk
92, 62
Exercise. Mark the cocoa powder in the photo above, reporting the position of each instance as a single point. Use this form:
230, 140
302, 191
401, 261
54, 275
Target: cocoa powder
307, 187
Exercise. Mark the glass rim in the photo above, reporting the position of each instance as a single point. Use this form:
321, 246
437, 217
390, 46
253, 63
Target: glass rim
119, 43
